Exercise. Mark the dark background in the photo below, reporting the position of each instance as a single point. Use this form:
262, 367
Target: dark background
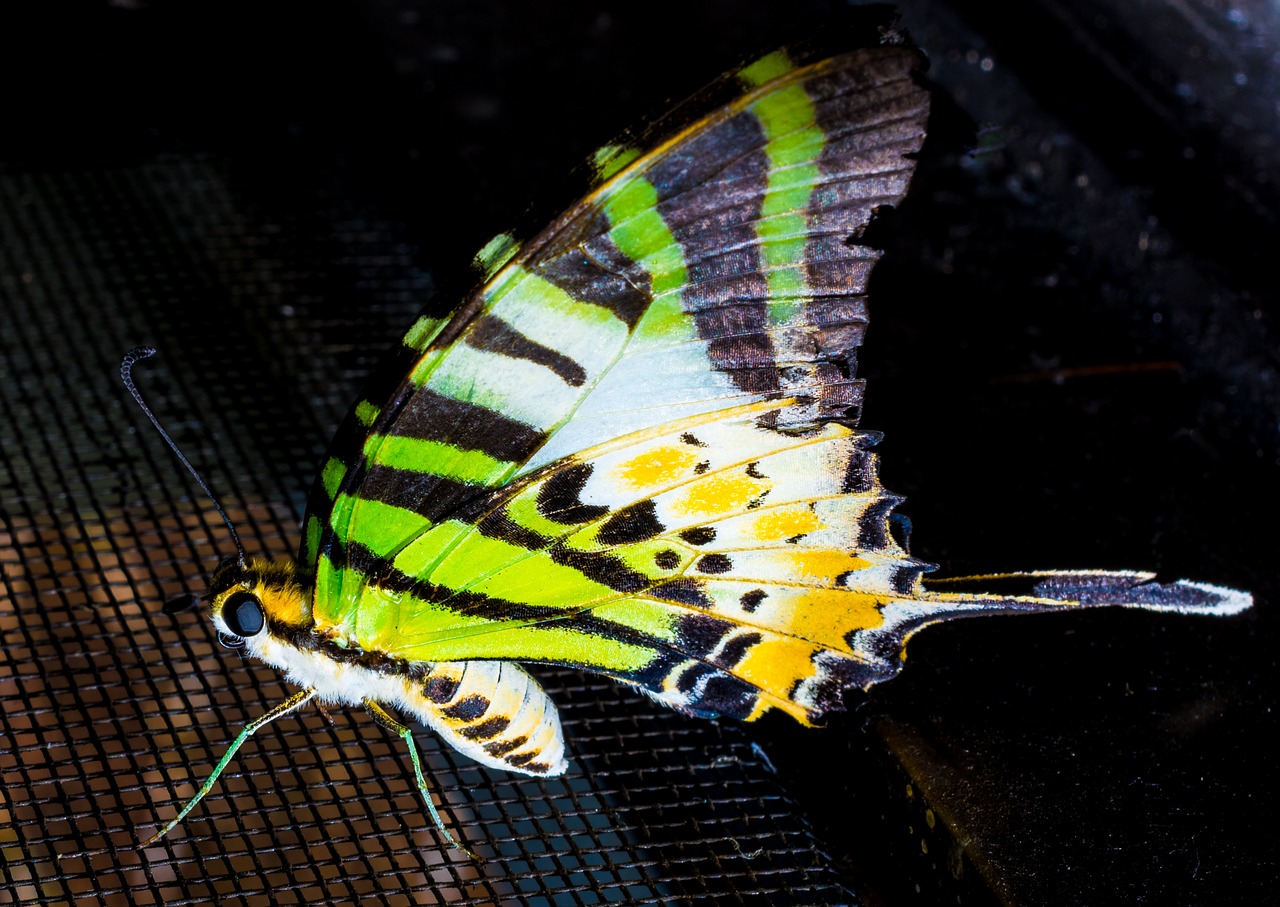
1073, 357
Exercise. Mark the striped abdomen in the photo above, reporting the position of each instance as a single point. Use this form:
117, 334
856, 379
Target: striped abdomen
492, 711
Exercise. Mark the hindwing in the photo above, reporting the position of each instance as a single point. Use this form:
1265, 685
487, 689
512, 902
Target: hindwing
527, 491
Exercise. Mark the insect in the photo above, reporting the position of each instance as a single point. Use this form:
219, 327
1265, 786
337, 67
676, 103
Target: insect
633, 450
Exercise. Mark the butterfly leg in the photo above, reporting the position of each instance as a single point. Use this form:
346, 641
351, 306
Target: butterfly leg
380, 715
284, 708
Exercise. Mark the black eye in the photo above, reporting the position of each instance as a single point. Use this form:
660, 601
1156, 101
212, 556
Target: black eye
243, 614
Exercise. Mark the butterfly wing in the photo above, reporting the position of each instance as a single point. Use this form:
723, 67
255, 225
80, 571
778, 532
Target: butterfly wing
714, 271
630, 451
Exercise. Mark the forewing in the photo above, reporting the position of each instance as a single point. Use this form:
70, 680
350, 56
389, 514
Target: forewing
716, 272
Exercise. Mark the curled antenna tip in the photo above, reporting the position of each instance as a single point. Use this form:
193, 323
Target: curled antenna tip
126, 375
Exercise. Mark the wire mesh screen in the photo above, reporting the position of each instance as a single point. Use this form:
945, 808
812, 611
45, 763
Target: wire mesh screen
1073, 367
115, 710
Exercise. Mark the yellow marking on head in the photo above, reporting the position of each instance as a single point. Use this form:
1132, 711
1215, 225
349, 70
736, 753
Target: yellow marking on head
784, 524
723, 494
275, 585
657, 467
288, 605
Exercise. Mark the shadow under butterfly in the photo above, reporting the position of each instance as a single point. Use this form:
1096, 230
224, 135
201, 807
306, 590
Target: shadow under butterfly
633, 451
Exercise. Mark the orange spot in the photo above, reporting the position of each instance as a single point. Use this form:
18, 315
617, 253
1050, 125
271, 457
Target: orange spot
826, 616
722, 494
660, 466
826, 565
776, 665
778, 525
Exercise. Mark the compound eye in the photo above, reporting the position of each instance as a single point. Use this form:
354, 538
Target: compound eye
243, 615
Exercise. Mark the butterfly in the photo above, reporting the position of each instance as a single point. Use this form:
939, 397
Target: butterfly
634, 450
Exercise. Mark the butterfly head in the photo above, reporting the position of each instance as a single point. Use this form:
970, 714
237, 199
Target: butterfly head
256, 597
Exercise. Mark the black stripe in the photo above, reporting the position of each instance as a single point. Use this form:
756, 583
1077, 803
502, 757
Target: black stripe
736, 649
468, 709
498, 525
496, 336
859, 473
486, 729
433, 497
631, 524
381, 573
430, 416
597, 272
714, 563
873, 524
602, 568
683, 591
667, 559
558, 499
700, 634
502, 747
710, 192
441, 689
871, 115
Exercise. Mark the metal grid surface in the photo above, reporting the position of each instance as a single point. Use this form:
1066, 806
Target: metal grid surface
270, 193
114, 710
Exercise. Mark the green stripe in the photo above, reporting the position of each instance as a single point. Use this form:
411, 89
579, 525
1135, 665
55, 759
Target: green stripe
644, 615
496, 253
421, 557
642, 235
331, 476
794, 141
610, 159
550, 643
312, 537
424, 330
383, 528
366, 412
766, 69
437, 458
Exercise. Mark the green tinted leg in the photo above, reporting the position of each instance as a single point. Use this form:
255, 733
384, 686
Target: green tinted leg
283, 708
379, 714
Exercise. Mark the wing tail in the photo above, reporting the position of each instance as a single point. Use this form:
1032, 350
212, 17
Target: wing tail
1036, 592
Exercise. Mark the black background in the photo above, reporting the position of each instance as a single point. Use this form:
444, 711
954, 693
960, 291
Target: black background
1072, 357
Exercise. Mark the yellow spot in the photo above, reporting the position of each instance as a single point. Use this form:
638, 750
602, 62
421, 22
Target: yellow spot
658, 467
826, 565
775, 526
776, 665
724, 493
826, 616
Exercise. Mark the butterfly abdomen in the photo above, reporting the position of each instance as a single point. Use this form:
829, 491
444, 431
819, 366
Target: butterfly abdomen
492, 711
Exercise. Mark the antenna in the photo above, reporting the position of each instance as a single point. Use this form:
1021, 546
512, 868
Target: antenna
126, 368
